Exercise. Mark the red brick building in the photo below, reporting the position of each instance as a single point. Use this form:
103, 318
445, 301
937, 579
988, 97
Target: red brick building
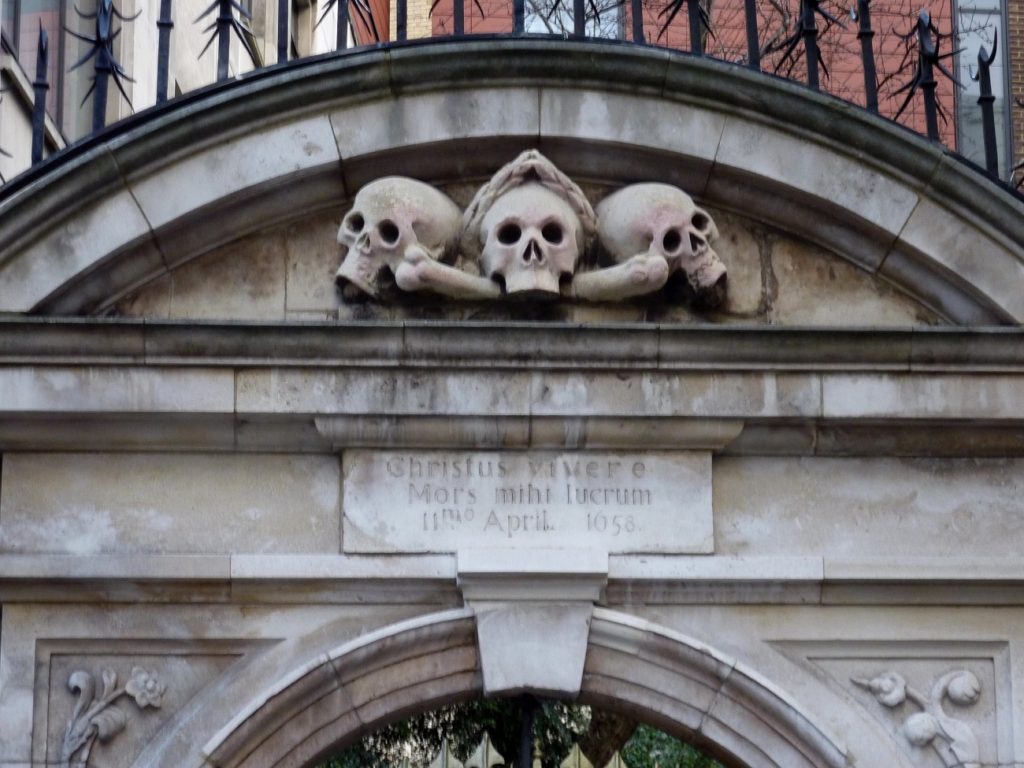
968, 24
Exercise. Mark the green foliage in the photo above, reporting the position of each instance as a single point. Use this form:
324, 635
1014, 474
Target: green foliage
557, 726
650, 748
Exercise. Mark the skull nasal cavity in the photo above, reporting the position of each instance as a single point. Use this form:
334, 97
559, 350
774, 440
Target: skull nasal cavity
509, 234
388, 232
696, 242
533, 252
672, 240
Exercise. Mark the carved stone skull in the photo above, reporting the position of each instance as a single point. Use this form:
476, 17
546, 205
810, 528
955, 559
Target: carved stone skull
662, 220
394, 219
532, 240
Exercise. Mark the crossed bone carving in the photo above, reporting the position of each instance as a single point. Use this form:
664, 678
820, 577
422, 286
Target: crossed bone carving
530, 234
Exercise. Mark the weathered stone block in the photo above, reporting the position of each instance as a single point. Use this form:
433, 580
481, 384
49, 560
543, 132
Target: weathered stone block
813, 287
864, 508
168, 503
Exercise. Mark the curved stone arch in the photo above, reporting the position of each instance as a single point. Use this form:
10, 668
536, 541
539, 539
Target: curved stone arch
632, 665
129, 205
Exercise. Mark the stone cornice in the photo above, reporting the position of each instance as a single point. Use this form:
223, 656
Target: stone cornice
117, 385
459, 345
432, 579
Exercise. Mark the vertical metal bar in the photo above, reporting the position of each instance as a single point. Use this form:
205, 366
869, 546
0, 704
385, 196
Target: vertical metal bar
284, 41
693, 14
343, 25
99, 95
224, 39
40, 86
401, 20
579, 19
931, 110
753, 41
926, 51
810, 33
636, 10
163, 57
518, 17
459, 16
988, 120
527, 708
867, 51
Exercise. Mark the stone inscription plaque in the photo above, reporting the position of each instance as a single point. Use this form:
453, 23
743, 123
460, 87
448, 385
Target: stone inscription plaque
422, 501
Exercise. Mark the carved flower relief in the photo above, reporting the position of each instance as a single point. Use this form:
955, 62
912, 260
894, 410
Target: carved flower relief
96, 716
953, 739
145, 688
963, 688
888, 688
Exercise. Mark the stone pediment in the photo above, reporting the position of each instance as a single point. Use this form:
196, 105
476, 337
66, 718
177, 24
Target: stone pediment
299, 271
135, 221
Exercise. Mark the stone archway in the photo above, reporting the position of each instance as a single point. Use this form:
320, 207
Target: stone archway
632, 665
171, 486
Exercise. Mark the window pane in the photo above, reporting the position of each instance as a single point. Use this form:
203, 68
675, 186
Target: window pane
979, 23
75, 117
46, 13
556, 17
7, 12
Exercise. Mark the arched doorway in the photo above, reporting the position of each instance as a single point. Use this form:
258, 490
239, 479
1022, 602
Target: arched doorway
673, 682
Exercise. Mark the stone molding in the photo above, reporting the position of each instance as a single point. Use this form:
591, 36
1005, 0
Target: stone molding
533, 610
154, 385
879, 196
707, 695
546, 346
662, 580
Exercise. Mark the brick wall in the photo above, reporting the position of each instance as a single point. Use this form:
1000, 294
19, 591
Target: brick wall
840, 47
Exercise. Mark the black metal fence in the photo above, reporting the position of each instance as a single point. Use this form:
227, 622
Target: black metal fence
928, 49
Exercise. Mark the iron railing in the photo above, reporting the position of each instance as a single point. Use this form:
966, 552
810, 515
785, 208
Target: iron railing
927, 48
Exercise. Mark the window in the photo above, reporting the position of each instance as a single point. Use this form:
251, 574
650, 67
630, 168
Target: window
21, 22
556, 17
979, 22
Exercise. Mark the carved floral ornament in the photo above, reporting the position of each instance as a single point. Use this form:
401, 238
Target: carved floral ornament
529, 233
96, 716
951, 738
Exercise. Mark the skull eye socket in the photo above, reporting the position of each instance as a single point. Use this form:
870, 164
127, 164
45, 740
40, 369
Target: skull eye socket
355, 222
388, 231
671, 240
552, 232
509, 234
700, 221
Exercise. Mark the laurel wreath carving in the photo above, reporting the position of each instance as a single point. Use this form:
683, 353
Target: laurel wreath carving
530, 166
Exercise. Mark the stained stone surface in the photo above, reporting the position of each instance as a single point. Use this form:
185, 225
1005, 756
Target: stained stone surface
812, 571
287, 272
810, 290
869, 507
441, 502
168, 503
